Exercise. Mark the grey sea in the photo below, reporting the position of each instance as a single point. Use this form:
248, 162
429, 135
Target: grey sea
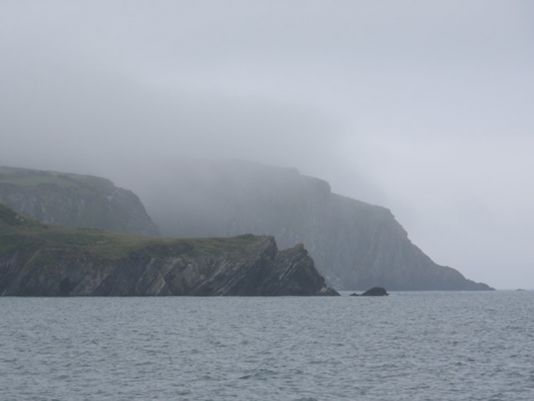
408, 346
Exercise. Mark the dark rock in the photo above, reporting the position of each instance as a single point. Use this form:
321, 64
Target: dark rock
38, 260
328, 291
375, 292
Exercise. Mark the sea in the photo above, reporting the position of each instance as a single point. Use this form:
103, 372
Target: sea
435, 346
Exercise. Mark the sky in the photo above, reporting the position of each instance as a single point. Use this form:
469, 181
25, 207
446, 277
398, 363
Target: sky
425, 107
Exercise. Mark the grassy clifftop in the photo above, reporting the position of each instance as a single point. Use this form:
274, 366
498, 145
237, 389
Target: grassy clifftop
17, 230
74, 200
48, 260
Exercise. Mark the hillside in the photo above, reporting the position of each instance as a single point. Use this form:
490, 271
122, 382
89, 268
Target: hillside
355, 245
45, 260
74, 200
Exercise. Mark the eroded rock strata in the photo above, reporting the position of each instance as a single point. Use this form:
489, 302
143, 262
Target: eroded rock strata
42, 260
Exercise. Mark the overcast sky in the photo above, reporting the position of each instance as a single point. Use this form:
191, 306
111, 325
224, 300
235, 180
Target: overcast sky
426, 107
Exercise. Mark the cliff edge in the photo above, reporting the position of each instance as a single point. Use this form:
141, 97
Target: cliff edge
45, 260
355, 245
74, 200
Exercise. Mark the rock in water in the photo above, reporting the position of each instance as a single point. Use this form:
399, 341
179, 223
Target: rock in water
40, 260
74, 200
375, 292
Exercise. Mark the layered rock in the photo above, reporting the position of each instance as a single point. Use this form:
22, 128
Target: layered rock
40, 260
355, 245
74, 200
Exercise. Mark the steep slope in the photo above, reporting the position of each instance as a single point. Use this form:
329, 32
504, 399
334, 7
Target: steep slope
40, 260
355, 245
74, 201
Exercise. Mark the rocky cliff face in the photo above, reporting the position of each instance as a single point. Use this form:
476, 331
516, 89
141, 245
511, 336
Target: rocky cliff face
39, 260
355, 245
74, 201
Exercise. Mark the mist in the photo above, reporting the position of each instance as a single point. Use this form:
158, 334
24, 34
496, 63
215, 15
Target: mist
422, 107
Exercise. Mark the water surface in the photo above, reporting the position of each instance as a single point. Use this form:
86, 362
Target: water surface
409, 346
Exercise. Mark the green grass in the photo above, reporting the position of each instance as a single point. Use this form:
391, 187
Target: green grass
10, 218
20, 232
32, 180
29, 178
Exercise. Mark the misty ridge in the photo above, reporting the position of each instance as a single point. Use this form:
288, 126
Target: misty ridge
354, 245
434, 126
258, 200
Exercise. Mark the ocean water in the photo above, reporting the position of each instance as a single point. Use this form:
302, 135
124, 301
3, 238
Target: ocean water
408, 346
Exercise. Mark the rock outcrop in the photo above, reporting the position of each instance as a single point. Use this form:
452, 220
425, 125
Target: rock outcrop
74, 200
44, 260
375, 292
355, 245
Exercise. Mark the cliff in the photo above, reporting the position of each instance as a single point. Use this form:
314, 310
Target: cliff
45, 260
74, 200
355, 245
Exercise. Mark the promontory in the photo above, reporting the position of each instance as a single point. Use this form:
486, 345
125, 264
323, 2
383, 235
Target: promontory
47, 260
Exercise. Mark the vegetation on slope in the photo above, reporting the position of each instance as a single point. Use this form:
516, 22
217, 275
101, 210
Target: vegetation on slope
74, 201
48, 260
17, 230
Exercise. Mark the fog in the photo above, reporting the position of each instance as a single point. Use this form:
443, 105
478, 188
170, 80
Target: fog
424, 107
